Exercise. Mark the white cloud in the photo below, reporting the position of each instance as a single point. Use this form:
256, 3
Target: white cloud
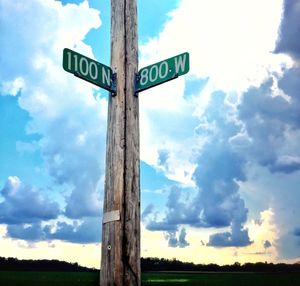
278, 192
23, 204
87, 254
248, 103
12, 87
63, 110
230, 43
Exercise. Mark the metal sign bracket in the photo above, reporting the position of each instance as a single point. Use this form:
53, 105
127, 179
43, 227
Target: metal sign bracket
113, 84
136, 81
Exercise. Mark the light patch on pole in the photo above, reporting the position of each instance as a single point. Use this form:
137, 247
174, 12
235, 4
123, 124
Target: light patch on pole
111, 216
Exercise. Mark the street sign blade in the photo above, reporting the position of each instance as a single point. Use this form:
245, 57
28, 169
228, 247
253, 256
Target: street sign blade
88, 69
163, 71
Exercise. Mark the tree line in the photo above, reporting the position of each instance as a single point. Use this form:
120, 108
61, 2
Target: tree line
162, 264
14, 264
147, 264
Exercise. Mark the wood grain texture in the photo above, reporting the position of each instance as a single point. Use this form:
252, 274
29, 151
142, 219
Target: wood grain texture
120, 259
132, 153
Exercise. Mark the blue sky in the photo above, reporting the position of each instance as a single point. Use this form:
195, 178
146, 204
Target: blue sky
220, 160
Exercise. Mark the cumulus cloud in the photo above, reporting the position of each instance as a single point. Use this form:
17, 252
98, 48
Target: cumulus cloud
217, 204
244, 59
12, 87
32, 232
290, 30
86, 231
25, 204
297, 231
238, 238
246, 108
173, 241
267, 244
272, 123
63, 111
148, 210
233, 44
287, 164
220, 167
179, 211
181, 240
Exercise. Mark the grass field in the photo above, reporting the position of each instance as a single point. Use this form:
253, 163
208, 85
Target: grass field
10, 278
221, 279
20, 278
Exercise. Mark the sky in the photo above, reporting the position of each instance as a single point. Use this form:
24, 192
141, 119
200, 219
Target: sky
220, 158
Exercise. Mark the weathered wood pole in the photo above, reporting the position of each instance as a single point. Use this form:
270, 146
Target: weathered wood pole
120, 263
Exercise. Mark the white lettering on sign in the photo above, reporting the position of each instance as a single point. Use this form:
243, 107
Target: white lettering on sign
156, 72
180, 63
144, 77
166, 68
87, 68
163, 71
151, 77
83, 66
106, 76
93, 70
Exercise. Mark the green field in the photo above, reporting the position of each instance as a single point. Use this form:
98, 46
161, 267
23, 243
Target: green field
223, 279
13, 278
27, 278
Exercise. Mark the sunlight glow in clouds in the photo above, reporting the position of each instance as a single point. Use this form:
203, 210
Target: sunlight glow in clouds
226, 134
230, 43
63, 111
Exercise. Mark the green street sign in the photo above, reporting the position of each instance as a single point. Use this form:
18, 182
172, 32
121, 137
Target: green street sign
163, 71
88, 69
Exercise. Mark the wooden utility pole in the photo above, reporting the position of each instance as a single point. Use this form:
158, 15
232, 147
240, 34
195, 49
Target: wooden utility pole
120, 264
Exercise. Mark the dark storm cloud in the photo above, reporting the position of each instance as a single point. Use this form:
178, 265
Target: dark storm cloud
238, 236
173, 241
32, 232
286, 164
179, 211
290, 30
161, 226
71, 128
25, 208
73, 162
227, 239
217, 202
148, 210
181, 240
267, 244
89, 231
24, 204
268, 120
262, 129
297, 231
